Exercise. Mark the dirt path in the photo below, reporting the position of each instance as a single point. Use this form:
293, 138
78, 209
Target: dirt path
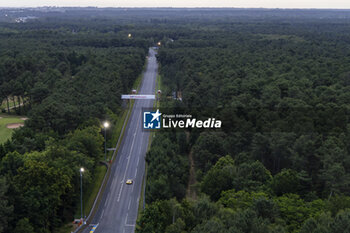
12, 107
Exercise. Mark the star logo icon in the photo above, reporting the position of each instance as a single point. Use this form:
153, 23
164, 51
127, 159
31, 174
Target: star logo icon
156, 115
151, 120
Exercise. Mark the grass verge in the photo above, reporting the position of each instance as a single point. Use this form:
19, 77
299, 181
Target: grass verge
117, 129
88, 200
93, 188
138, 81
159, 87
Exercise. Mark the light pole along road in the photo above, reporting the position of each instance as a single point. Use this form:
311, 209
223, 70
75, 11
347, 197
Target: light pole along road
118, 208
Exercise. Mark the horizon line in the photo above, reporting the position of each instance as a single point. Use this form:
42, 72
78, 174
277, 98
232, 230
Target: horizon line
177, 7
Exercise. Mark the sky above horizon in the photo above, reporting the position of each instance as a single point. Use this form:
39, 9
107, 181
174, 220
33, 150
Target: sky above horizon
339, 4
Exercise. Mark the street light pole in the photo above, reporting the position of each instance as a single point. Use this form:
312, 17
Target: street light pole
81, 192
106, 124
105, 144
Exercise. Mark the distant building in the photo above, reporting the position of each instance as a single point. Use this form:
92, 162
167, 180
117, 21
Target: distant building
25, 19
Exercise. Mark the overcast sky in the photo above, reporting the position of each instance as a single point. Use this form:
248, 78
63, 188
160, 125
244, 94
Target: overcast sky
182, 3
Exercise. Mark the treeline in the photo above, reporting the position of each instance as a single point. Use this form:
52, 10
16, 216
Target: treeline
66, 85
280, 163
40, 189
168, 167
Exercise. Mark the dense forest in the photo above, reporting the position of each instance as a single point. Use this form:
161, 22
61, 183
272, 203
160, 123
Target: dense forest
281, 161
278, 79
66, 77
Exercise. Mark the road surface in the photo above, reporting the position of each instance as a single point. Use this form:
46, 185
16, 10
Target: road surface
118, 208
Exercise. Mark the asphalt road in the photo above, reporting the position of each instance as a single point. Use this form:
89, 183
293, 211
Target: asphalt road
118, 208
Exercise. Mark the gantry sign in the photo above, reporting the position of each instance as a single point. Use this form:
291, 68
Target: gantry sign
138, 97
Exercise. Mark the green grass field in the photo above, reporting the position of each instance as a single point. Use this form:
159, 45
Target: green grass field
6, 133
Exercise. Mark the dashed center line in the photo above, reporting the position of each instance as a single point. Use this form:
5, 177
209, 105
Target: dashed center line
126, 219
127, 165
129, 204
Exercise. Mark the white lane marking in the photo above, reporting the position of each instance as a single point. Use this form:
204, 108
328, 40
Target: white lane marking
141, 144
108, 196
129, 204
127, 165
120, 192
103, 211
132, 146
126, 219
138, 157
